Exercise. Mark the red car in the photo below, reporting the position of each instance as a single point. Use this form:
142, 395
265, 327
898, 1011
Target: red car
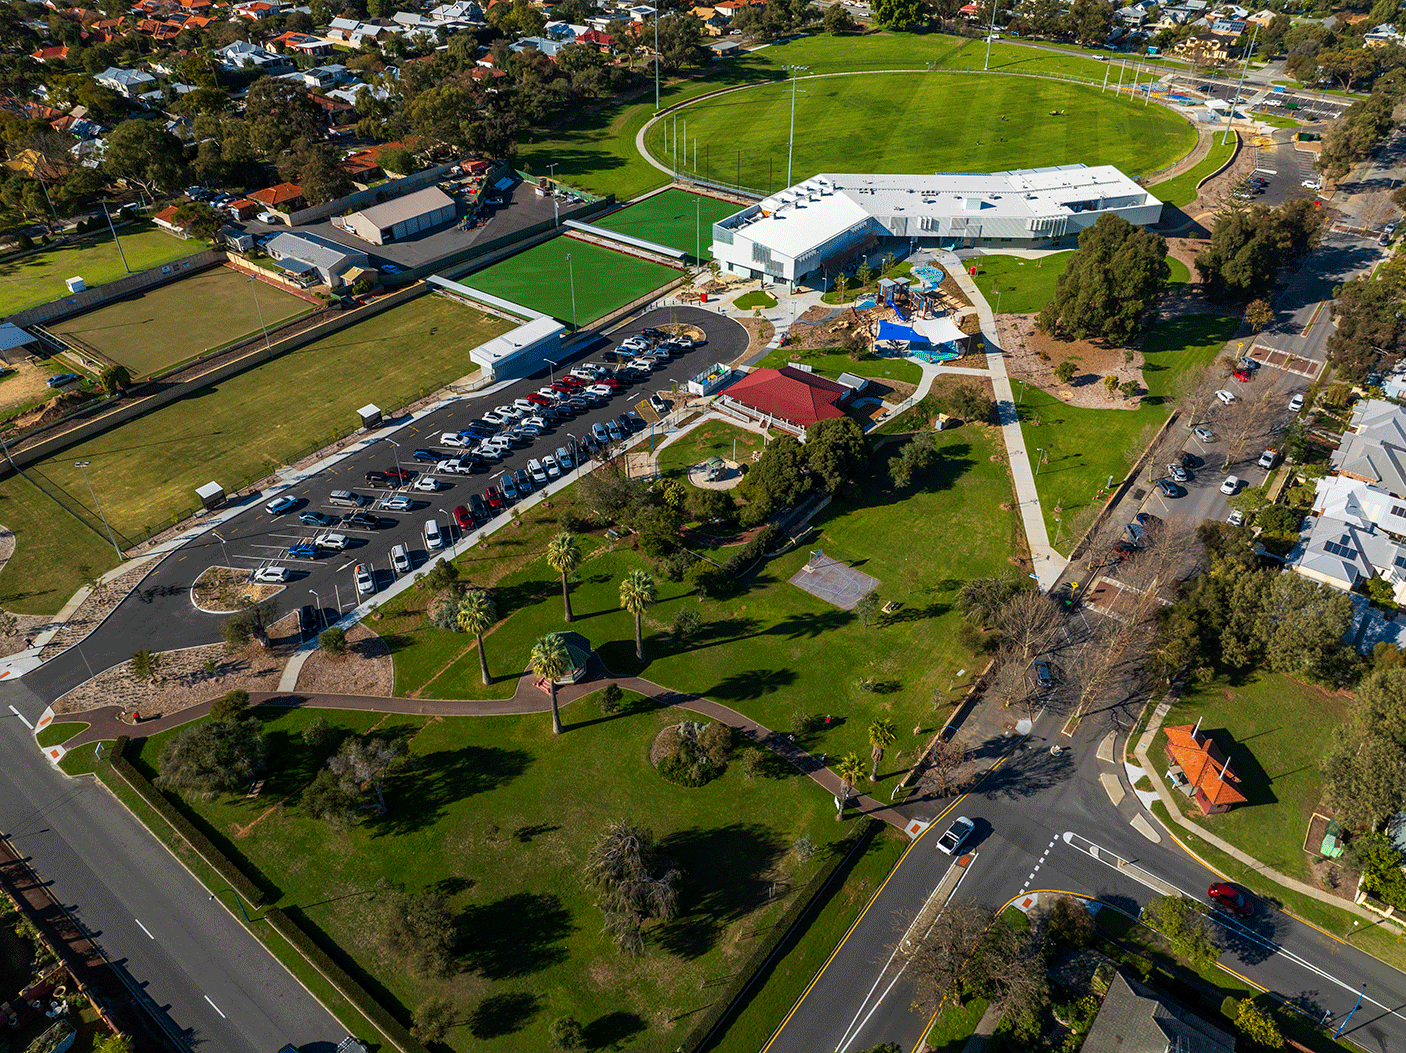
462, 517
572, 383
398, 473
539, 400
494, 497
1242, 375
565, 389
611, 383
1229, 897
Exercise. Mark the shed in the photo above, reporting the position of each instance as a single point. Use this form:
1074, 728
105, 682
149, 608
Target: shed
370, 415
12, 337
402, 218
849, 380
212, 495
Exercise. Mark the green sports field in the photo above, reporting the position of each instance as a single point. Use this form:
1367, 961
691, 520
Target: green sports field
542, 279
674, 218
916, 122
172, 323
28, 281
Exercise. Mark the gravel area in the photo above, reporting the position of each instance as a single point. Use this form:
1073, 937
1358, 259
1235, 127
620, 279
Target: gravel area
101, 602
366, 668
221, 589
185, 679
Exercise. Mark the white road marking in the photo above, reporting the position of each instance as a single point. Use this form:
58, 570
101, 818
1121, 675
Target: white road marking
216, 1008
17, 713
144, 928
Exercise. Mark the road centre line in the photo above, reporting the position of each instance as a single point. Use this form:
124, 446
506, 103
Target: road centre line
216, 1008
144, 928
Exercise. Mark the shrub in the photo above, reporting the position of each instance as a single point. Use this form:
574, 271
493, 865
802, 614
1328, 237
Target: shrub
677, 564
1064, 372
319, 734
432, 1020
444, 613
709, 581
692, 753
610, 700
333, 641
230, 706
686, 624
566, 1033
753, 762
803, 724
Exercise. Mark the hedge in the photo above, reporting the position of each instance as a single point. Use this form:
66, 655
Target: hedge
358, 996
742, 561
203, 845
350, 989
801, 902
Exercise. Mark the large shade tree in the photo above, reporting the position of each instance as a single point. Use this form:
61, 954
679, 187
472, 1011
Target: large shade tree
633, 882
1111, 285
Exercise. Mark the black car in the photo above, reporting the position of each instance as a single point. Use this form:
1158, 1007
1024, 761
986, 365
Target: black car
478, 508
626, 425
1147, 519
652, 333
523, 480
379, 479
425, 455
362, 520
307, 619
1190, 460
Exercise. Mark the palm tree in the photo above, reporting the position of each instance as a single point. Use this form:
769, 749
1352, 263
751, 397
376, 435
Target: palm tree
637, 592
477, 614
564, 555
881, 736
850, 769
550, 661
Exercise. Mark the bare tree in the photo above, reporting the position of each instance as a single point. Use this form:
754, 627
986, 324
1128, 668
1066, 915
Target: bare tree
362, 764
1010, 967
944, 761
1030, 623
1247, 422
1010, 680
936, 968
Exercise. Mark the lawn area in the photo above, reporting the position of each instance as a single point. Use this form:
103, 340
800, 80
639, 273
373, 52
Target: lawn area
715, 438
1026, 285
1013, 127
486, 817
1083, 447
28, 281
674, 218
147, 470
1276, 121
955, 1025
758, 652
541, 278
50, 547
1181, 190
215, 307
596, 150
832, 365
1274, 730
755, 298
60, 732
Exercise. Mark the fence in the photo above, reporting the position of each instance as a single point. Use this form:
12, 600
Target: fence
90, 298
375, 195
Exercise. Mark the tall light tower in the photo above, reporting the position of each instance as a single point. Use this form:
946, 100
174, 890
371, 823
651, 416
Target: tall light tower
1230, 117
83, 467
989, 34
791, 142
656, 60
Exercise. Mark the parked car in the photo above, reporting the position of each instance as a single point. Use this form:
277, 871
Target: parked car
494, 497
599, 433
400, 560
317, 519
1041, 668
279, 505
509, 487
271, 574
1231, 484
365, 581
1225, 396
434, 539
333, 541
1242, 375
1236, 518
303, 550
58, 380
360, 520
613, 429
524, 481
1189, 460
398, 503
660, 406
1296, 404
1203, 433
426, 484
1267, 459
1178, 473
398, 474
1169, 488
1229, 897
955, 836
425, 455
308, 619
378, 479
1147, 519
550, 465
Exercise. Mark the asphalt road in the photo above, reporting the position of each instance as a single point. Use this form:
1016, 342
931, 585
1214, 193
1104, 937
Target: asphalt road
203, 975
1044, 822
159, 614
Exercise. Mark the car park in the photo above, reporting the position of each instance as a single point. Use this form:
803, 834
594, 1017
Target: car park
1296, 404
426, 484
271, 574
317, 519
599, 433
303, 550
1225, 397
400, 560
524, 481
361, 521
550, 466
1178, 473
1203, 433
1231, 898
1231, 484
398, 503
365, 581
452, 438
425, 455
956, 835
333, 541
279, 505
509, 487
434, 539
308, 620
1168, 488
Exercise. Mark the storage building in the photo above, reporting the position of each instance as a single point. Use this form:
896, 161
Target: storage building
402, 218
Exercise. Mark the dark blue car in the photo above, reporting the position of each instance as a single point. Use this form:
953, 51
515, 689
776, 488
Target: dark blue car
303, 550
425, 455
317, 519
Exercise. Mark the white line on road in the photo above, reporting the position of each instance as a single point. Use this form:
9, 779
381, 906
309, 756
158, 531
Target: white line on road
17, 713
215, 1007
144, 928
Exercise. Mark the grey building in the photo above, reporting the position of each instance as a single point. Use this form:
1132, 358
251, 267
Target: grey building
1136, 1019
402, 218
317, 259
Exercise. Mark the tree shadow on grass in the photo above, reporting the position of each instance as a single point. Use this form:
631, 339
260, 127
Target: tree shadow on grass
420, 791
502, 1014
611, 1030
515, 936
743, 687
722, 870
810, 625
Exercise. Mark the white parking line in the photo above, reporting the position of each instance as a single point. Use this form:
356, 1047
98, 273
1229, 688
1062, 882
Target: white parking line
144, 928
17, 713
216, 1008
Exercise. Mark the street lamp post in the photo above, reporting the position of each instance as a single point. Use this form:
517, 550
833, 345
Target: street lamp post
656, 60
83, 466
698, 229
222, 545
396, 445
1039, 459
571, 273
556, 207
254, 287
321, 623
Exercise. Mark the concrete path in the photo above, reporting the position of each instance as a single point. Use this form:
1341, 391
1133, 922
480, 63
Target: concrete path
107, 723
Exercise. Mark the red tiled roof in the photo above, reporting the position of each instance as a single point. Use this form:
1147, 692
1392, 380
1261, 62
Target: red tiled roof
277, 195
792, 394
49, 54
1204, 764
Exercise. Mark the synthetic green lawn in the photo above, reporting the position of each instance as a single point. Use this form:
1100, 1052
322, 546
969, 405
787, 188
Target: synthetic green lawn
832, 365
596, 150
1275, 731
243, 427
1084, 447
883, 122
1181, 190
674, 218
755, 298
172, 323
497, 814
541, 278
1026, 285
773, 650
28, 281
51, 547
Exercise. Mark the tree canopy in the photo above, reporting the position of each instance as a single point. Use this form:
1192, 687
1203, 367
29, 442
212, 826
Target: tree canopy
1112, 283
836, 451
215, 756
1248, 247
633, 883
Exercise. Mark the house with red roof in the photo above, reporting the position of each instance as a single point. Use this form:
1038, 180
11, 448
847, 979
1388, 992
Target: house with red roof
790, 395
281, 195
1200, 770
47, 55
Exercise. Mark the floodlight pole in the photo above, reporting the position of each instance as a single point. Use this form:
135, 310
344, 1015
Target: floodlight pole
83, 467
656, 59
1244, 69
791, 141
989, 34
1039, 459
254, 288
115, 240
698, 228
571, 273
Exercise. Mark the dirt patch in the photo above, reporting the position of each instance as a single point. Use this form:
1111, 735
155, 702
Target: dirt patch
189, 677
366, 668
761, 331
223, 589
50, 411
1025, 345
101, 602
24, 385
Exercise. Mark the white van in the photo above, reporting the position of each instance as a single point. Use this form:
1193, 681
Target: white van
538, 473
433, 538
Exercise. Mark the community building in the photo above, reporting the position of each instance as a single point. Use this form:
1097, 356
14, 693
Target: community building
788, 396
816, 228
1199, 770
317, 260
402, 218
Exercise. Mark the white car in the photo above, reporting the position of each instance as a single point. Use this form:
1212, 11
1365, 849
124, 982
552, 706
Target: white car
538, 473
1225, 396
280, 505
426, 484
433, 537
536, 422
525, 406
495, 418
269, 217
276, 575
645, 365
1296, 404
332, 541
600, 391
365, 582
548, 393
510, 413
550, 464
1312, 184
398, 503
1231, 484
400, 560
452, 438
585, 372
1236, 518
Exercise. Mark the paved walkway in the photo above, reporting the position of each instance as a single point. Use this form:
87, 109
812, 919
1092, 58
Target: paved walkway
106, 723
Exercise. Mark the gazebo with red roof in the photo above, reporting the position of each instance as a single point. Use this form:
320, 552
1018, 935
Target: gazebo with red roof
790, 394
1205, 770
